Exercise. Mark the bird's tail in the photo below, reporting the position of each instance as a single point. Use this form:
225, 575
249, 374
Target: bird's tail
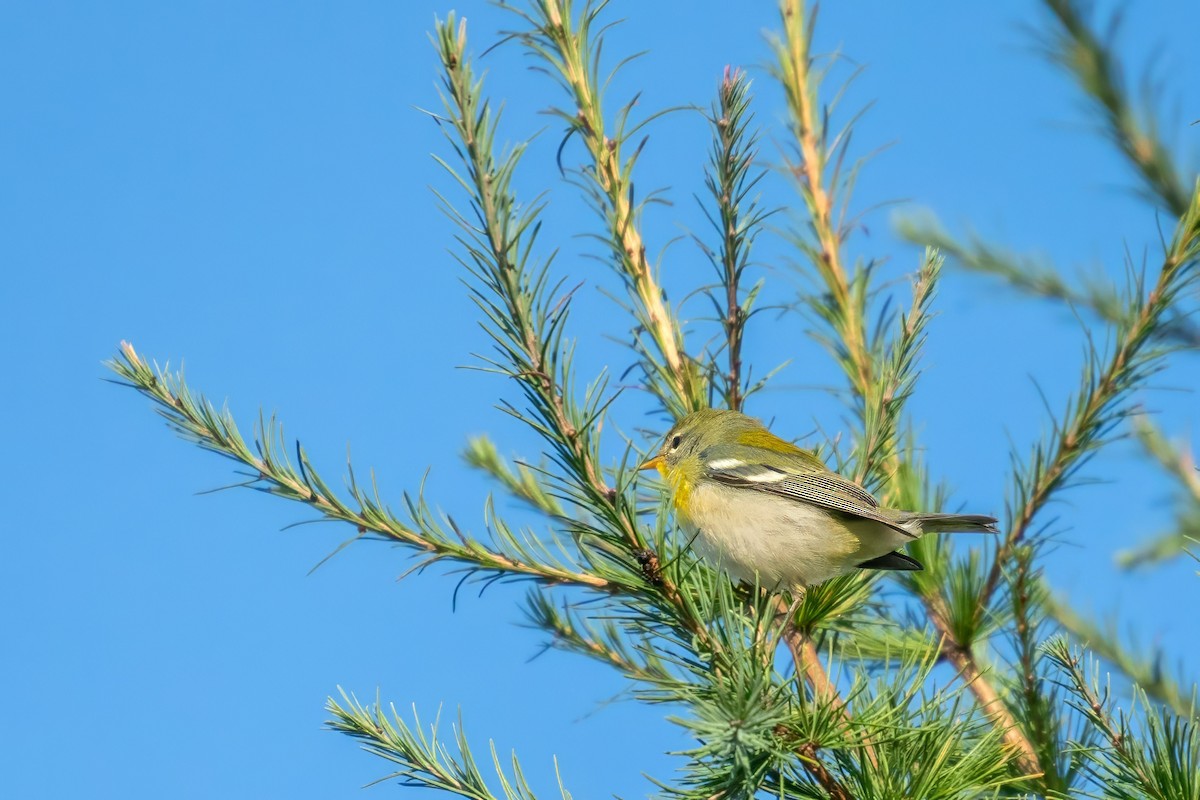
948, 523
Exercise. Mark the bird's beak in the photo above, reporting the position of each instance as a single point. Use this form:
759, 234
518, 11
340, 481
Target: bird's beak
652, 463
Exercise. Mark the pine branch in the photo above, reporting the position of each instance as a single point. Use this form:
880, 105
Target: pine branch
928, 744
272, 471
730, 178
1101, 401
1179, 463
818, 175
1094, 65
1038, 278
1160, 762
1146, 673
877, 460
605, 642
527, 328
570, 48
521, 482
424, 760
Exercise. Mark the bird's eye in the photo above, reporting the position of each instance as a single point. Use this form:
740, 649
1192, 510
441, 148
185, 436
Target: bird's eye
675, 443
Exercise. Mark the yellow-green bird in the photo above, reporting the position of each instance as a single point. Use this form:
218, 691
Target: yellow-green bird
758, 505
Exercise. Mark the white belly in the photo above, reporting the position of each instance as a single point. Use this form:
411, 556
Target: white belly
786, 542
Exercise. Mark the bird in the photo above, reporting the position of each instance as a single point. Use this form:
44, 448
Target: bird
768, 512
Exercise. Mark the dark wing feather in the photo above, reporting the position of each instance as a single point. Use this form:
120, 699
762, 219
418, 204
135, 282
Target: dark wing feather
894, 561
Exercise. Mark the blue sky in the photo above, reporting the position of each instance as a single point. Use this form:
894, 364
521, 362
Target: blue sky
245, 186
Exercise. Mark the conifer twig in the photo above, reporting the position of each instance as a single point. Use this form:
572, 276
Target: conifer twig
1145, 671
819, 184
521, 482
1096, 68
565, 40
196, 419
878, 460
1107, 383
424, 760
738, 219
1039, 278
529, 335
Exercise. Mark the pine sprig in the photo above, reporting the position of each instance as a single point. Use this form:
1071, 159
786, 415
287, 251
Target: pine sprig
1092, 61
1161, 760
737, 220
424, 760
824, 188
620, 646
1146, 667
883, 405
1039, 278
271, 469
569, 44
522, 482
1102, 399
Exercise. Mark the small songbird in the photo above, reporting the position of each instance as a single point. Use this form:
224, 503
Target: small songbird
756, 504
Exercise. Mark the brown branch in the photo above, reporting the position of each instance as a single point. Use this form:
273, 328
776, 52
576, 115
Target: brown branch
963, 661
574, 65
808, 663
795, 74
1079, 438
820, 773
183, 412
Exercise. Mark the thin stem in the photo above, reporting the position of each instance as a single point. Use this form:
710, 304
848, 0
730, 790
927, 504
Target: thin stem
821, 774
216, 431
1091, 415
730, 179
1097, 70
795, 66
965, 664
566, 44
